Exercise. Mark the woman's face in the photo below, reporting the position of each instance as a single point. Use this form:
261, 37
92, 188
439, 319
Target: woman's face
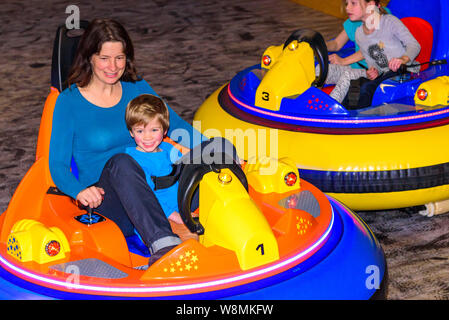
109, 64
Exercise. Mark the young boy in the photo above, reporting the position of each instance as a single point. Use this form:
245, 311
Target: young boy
147, 119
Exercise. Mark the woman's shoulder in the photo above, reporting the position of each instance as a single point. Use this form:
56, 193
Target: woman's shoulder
68, 98
139, 87
69, 92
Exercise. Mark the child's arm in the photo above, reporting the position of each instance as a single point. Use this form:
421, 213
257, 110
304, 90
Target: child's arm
395, 63
337, 43
355, 57
412, 47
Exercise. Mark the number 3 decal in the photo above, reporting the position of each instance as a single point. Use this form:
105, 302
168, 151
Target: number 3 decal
265, 96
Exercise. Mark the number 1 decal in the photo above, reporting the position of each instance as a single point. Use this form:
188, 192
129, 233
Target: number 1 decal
260, 246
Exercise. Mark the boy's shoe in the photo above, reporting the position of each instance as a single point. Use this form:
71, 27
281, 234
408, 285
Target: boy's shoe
158, 254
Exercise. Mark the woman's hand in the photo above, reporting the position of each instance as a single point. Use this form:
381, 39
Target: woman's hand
372, 73
92, 196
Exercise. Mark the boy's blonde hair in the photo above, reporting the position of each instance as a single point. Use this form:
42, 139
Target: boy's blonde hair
144, 108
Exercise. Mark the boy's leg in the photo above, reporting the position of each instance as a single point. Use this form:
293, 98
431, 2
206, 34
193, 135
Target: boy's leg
128, 200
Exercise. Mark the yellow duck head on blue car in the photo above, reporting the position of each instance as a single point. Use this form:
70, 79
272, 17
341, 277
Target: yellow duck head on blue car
290, 68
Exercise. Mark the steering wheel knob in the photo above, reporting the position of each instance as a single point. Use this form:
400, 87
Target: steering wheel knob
293, 45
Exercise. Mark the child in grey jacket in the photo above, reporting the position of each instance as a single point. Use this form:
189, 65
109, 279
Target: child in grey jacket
388, 46
385, 44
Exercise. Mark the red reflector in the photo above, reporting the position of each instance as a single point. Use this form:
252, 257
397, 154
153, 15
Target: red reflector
52, 248
266, 60
422, 94
290, 179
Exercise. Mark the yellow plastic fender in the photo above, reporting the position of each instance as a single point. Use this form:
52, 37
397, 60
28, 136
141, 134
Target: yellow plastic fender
233, 221
268, 175
31, 240
434, 92
282, 82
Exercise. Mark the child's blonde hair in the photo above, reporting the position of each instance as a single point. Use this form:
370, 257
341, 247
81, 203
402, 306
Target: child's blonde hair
377, 3
144, 108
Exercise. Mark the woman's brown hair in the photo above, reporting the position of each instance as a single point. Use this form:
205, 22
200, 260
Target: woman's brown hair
98, 32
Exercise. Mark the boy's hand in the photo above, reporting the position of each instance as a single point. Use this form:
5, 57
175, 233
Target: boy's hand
92, 196
176, 218
372, 73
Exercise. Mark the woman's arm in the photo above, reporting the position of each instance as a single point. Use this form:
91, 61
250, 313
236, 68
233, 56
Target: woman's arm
61, 142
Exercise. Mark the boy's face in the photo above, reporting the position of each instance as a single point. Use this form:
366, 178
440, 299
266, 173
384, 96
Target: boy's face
148, 137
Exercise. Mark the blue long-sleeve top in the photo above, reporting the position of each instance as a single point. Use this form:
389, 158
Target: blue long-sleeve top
92, 135
159, 164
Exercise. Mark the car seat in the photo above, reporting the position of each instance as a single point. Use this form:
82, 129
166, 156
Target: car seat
423, 33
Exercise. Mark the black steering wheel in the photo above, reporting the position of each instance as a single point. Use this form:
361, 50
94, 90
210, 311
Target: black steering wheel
190, 179
318, 45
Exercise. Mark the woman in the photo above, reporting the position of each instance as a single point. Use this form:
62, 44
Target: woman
88, 124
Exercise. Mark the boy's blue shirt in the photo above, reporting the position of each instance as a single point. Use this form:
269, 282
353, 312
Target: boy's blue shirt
159, 164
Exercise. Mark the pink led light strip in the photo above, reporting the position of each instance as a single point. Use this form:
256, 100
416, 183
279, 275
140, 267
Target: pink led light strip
340, 121
169, 289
